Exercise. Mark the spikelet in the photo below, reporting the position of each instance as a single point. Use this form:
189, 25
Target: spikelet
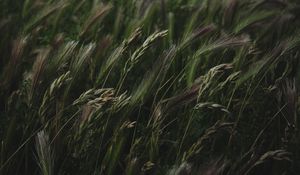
52, 91
206, 81
198, 146
277, 155
121, 101
211, 106
95, 97
141, 50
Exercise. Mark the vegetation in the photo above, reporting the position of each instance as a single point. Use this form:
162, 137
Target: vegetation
149, 87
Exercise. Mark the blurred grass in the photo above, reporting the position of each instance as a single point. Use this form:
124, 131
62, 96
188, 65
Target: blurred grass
149, 87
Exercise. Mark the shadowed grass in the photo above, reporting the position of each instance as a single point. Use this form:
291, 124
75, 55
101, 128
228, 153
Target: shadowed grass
149, 87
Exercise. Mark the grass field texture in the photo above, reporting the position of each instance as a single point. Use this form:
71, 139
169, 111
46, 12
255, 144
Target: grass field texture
149, 87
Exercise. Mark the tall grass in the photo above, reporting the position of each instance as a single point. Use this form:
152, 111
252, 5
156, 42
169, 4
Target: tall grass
149, 87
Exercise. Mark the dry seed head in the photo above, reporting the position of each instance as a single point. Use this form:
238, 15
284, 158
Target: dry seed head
148, 166
57, 83
211, 106
52, 91
95, 97
134, 36
128, 125
86, 113
121, 101
207, 80
197, 147
150, 40
279, 155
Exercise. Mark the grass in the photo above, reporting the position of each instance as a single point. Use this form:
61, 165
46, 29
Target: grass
149, 87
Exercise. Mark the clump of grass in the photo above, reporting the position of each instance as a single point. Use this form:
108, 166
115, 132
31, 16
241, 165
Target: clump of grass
149, 87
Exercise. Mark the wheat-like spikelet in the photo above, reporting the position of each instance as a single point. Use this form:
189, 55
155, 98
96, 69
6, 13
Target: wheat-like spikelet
211, 105
134, 59
117, 53
209, 79
95, 97
148, 166
277, 155
120, 102
52, 91
198, 146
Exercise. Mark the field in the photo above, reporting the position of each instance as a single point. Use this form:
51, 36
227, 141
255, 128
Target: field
149, 87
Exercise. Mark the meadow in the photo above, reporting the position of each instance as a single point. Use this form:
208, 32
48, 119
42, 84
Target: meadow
149, 87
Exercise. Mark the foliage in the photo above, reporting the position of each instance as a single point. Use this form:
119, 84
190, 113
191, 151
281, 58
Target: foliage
149, 87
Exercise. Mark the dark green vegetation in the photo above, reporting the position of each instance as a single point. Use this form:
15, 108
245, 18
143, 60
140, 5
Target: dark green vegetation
149, 87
